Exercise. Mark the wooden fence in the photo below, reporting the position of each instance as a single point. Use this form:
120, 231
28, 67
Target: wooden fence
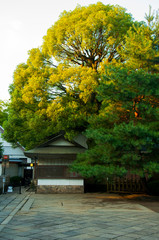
125, 185
130, 184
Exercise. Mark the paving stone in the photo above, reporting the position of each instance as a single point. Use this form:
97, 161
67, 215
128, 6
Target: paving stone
81, 217
124, 238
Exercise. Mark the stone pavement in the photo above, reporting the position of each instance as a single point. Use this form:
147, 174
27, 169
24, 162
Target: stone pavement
10, 204
30, 216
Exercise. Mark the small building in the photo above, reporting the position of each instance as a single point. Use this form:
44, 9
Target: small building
51, 164
18, 164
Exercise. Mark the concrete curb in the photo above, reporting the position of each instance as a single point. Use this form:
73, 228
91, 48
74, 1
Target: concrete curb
26, 207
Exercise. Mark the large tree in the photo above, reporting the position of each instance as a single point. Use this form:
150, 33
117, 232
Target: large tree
46, 98
124, 136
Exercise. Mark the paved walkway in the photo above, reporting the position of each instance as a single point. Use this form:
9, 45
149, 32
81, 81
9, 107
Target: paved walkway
29, 216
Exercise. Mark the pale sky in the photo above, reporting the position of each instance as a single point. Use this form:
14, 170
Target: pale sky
23, 23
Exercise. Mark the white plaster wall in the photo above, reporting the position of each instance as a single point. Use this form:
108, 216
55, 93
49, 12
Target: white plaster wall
60, 182
59, 162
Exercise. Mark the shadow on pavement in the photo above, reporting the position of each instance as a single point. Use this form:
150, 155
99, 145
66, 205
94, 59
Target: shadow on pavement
148, 201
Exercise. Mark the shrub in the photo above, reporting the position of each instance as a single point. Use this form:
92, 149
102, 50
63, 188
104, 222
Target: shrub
15, 181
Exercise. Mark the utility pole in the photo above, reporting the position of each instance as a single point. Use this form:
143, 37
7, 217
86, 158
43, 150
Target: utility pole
5, 164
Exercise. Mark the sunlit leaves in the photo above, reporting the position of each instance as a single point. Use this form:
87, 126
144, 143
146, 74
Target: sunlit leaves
141, 47
87, 35
79, 82
48, 97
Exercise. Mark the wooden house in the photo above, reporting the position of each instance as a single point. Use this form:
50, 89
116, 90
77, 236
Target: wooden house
51, 164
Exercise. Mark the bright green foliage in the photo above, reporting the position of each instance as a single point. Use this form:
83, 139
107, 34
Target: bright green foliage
106, 81
3, 112
30, 94
125, 135
141, 46
87, 35
46, 99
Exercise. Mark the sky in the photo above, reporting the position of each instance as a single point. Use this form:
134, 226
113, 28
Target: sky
23, 23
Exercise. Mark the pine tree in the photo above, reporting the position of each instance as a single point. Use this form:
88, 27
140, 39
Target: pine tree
124, 136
